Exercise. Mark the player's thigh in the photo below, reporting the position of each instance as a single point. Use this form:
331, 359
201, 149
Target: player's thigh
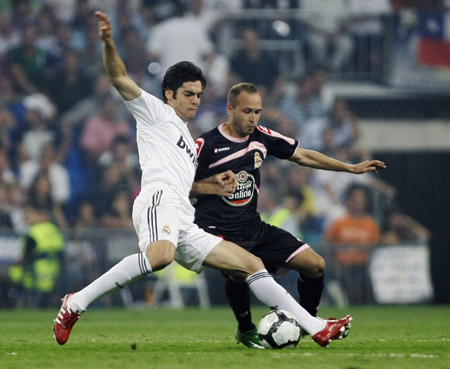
275, 246
194, 245
308, 262
233, 259
156, 217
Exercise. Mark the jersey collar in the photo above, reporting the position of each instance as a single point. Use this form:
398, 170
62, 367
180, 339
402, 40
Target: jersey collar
230, 138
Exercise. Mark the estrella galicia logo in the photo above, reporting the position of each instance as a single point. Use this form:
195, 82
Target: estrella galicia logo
184, 146
244, 191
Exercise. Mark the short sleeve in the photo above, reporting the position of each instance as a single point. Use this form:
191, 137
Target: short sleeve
148, 110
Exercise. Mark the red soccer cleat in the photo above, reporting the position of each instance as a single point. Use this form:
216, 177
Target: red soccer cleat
336, 329
64, 322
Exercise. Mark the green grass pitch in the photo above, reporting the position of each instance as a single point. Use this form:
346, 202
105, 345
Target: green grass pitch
381, 337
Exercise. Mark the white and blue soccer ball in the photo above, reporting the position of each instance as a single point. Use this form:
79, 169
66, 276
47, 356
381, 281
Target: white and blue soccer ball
279, 329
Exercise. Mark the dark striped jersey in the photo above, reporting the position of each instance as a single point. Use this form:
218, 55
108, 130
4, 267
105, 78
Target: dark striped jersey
218, 152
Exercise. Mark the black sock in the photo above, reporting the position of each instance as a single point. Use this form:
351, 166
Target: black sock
239, 298
310, 292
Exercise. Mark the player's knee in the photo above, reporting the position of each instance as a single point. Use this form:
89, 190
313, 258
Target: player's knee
318, 267
254, 264
160, 254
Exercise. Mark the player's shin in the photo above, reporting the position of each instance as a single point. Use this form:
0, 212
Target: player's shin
238, 296
276, 297
127, 270
310, 292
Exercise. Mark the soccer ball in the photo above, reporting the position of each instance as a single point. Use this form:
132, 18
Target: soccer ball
279, 329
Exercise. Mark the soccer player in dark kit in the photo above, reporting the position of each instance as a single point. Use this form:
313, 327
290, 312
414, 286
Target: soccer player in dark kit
240, 146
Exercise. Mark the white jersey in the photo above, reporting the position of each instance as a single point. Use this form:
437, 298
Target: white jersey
166, 148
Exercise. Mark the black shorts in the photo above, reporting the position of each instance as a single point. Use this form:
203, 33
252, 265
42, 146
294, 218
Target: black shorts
272, 244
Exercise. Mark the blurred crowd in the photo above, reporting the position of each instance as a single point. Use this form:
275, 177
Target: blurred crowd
68, 143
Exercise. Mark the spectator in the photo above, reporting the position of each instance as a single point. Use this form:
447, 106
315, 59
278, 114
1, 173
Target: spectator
367, 26
110, 182
16, 200
6, 174
8, 36
400, 228
327, 36
118, 214
120, 153
39, 129
65, 40
28, 63
349, 239
91, 50
38, 270
331, 187
125, 159
86, 218
99, 131
40, 192
76, 116
69, 84
63, 10
310, 220
211, 112
57, 174
7, 125
21, 14
12, 103
344, 124
251, 64
171, 42
306, 111
163, 10
5, 216
280, 211
46, 30
82, 13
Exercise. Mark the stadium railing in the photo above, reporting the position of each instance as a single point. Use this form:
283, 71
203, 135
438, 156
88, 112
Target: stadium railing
394, 274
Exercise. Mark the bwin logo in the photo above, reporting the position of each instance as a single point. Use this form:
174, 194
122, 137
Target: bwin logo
182, 145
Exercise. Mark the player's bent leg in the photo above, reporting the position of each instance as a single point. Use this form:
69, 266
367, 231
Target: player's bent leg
238, 262
126, 271
310, 283
308, 262
234, 260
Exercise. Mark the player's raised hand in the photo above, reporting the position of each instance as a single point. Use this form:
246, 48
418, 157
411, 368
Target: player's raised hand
104, 26
369, 166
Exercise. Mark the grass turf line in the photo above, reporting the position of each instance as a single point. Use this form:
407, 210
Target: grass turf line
381, 337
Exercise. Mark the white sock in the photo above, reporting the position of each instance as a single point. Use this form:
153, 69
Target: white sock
129, 269
276, 297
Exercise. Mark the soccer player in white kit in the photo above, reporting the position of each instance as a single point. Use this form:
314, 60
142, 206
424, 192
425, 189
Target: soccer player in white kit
162, 213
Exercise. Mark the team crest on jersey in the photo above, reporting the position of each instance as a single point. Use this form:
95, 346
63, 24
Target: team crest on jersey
244, 191
166, 230
258, 160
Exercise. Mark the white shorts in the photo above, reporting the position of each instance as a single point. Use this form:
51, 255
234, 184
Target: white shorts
158, 215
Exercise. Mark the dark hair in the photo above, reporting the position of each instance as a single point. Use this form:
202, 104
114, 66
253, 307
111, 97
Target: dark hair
236, 90
179, 73
353, 187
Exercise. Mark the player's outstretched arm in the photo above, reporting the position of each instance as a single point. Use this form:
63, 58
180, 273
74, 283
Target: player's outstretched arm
115, 68
221, 184
314, 159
